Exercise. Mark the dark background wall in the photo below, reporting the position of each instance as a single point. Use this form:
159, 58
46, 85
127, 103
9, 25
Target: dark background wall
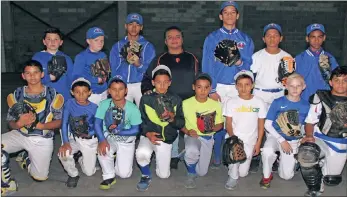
24, 22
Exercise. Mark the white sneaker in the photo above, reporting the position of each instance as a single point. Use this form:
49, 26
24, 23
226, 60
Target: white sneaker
231, 184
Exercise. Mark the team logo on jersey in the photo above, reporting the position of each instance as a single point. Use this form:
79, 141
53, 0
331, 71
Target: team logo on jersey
315, 26
241, 45
247, 109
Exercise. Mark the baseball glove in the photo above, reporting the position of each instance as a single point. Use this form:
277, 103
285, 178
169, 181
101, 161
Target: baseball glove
324, 67
114, 116
57, 66
163, 106
338, 116
233, 151
285, 68
131, 51
288, 121
79, 126
206, 122
227, 52
101, 68
21, 108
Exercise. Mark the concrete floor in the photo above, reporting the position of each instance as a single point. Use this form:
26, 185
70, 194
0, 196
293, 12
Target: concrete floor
210, 185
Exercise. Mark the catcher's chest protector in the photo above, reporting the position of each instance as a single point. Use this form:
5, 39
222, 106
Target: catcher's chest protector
329, 104
43, 106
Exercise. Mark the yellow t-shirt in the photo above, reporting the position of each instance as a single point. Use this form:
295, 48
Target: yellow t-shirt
191, 106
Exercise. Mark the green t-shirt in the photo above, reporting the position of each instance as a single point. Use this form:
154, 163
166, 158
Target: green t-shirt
132, 113
191, 106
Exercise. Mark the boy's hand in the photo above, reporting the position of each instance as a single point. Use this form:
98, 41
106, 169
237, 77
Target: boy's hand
152, 136
256, 150
286, 147
52, 77
102, 147
171, 115
215, 96
26, 120
101, 80
193, 133
239, 62
63, 149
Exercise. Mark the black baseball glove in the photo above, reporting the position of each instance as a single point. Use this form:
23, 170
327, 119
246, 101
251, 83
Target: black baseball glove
57, 66
233, 151
79, 126
21, 108
163, 105
131, 51
101, 68
227, 52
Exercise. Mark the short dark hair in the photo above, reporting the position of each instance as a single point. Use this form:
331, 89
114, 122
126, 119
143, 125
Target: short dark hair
117, 81
161, 72
173, 28
202, 76
80, 83
338, 72
32, 63
243, 76
53, 30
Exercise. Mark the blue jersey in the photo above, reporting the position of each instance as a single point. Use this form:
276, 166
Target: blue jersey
282, 104
307, 65
62, 86
217, 70
73, 109
82, 67
119, 65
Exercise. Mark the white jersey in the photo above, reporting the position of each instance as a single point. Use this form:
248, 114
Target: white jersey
266, 67
245, 115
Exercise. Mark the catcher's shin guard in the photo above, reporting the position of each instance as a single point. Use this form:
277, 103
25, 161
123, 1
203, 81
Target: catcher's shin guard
332, 180
8, 184
312, 177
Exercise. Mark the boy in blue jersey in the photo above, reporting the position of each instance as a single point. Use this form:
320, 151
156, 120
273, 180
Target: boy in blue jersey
279, 141
223, 83
78, 132
53, 39
307, 62
84, 60
133, 72
117, 123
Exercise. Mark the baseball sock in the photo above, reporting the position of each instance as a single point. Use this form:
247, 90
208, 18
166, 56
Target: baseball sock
145, 170
217, 150
191, 168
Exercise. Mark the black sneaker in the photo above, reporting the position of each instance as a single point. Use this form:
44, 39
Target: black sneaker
76, 156
106, 184
174, 163
254, 167
72, 181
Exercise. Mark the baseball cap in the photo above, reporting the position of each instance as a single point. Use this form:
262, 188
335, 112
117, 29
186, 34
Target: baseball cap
134, 17
95, 32
244, 72
116, 78
203, 76
161, 67
80, 79
229, 3
272, 26
314, 27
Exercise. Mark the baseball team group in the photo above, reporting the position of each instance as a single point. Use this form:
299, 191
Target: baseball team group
236, 108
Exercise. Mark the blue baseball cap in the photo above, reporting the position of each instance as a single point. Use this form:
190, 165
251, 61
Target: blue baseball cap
314, 27
117, 78
272, 26
229, 3
134, 17
95, 32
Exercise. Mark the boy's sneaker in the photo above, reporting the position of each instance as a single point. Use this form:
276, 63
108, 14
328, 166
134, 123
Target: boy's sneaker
72, 181
21, 155
190, 182
265, 182
174, 163
76, 156
215, 165
25, 162
231, 184
106, 184
255, 162
313, 193
144, 183
7, 189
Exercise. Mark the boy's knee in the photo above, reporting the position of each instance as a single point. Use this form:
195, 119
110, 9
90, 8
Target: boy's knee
125, 174
243, 174
164, 175
267, 152
143, 155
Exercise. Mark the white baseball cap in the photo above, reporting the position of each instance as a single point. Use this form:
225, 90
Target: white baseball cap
163, 67
244, 72
79, 80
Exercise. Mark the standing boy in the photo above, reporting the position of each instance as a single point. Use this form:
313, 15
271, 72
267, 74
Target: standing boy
162, 116
203, 117
78, 132
245, 117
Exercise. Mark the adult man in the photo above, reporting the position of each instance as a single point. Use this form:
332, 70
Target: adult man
133, 71
308, 62
223, 82
326, 127
183, 65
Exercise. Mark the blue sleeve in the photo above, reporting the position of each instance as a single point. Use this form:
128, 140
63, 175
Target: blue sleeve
46, 79
148, 56
208, 62
272, 113
133, 131
65, 123
301, 67
333, 63
70, 67
247, 57
79, 69
98, 129
114, 59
